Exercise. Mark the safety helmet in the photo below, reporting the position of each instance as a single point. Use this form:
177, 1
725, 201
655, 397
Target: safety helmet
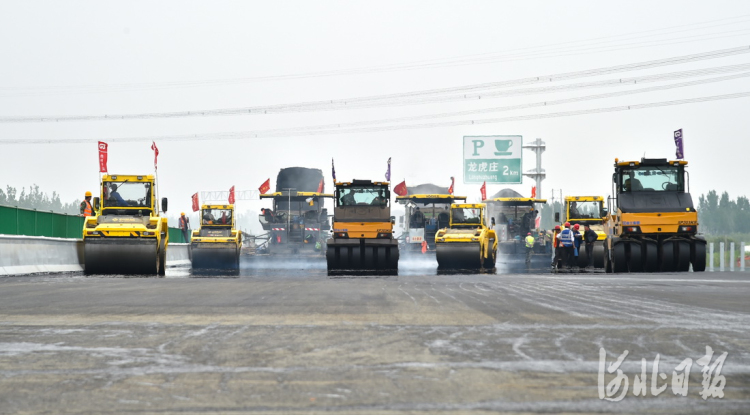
567, 224
576, 226
182, 214
528, 233
557, 227
88, 194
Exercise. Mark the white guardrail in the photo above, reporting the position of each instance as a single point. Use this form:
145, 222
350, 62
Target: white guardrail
21, 255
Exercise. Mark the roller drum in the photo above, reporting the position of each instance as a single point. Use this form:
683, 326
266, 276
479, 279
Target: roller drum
459, 255
121, 256
362, 257
215, 256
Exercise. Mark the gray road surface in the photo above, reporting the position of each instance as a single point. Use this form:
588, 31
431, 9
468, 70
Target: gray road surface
295, 341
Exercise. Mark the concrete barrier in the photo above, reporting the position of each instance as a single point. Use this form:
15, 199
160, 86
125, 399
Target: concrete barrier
21, 255
36, 254
178, 255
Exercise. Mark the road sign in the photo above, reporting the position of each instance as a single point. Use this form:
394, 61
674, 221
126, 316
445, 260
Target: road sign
493, 159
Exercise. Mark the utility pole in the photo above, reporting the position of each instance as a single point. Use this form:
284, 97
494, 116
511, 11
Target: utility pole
537, 146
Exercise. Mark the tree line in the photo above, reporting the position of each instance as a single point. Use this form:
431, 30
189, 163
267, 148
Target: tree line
721, 215
36, 199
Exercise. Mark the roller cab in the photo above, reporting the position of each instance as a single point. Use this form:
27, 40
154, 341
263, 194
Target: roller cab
469, 242
653, 226
362, 239
588, 210
126, 235
217, 243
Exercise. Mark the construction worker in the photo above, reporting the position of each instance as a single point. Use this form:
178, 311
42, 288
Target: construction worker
577, 238
86, 208
589, 237
568, 245
184, 225
529, 247
557, 246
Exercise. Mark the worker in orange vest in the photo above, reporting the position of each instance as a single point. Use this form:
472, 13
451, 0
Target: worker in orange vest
184, 225
86, 208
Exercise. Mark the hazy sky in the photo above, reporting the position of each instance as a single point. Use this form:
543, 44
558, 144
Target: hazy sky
118, 58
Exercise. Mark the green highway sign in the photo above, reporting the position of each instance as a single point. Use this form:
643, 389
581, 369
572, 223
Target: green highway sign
493, 159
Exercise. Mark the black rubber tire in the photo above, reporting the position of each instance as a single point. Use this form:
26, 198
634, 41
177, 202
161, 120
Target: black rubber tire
635, 261
599, 255
683, 256
699, 256
161, 261
650, 257
668, 259
489, 262
620, 259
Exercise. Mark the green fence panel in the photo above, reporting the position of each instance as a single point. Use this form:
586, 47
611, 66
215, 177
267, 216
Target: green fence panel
26, 222
19, 221
175, 236
74, 227
44, 222
8, 220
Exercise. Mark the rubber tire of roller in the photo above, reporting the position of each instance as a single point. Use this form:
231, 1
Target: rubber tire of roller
683, 256
650, 256
635, 261
620, 263
699, 256
667, 257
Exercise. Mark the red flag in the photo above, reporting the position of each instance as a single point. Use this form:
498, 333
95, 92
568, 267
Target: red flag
102, 157
400, 189
320, 186
538, 222
231, 195
266, 186
196, 205
156, 152
424, 247
533, 192
450, 189
483, 189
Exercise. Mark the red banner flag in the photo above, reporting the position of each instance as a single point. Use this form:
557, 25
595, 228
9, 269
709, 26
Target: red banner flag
321, 186
231, 195
102, 157
156, 152
483, 189
533, 192
196, 205
450, 189
400, 189
266, 186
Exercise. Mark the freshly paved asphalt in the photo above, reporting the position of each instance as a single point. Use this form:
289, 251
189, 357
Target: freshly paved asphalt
295, 341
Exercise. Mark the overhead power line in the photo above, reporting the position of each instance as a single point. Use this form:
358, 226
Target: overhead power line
436, 95
271, 134
569, 48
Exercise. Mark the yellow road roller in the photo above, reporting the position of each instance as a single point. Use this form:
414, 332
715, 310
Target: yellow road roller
362, 240
126, 235
217, 243
652, 225
469, 242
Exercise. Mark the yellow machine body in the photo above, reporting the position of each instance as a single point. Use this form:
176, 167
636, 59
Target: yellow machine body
126, 235
469, 242
217, 243
362, 239
653, 226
